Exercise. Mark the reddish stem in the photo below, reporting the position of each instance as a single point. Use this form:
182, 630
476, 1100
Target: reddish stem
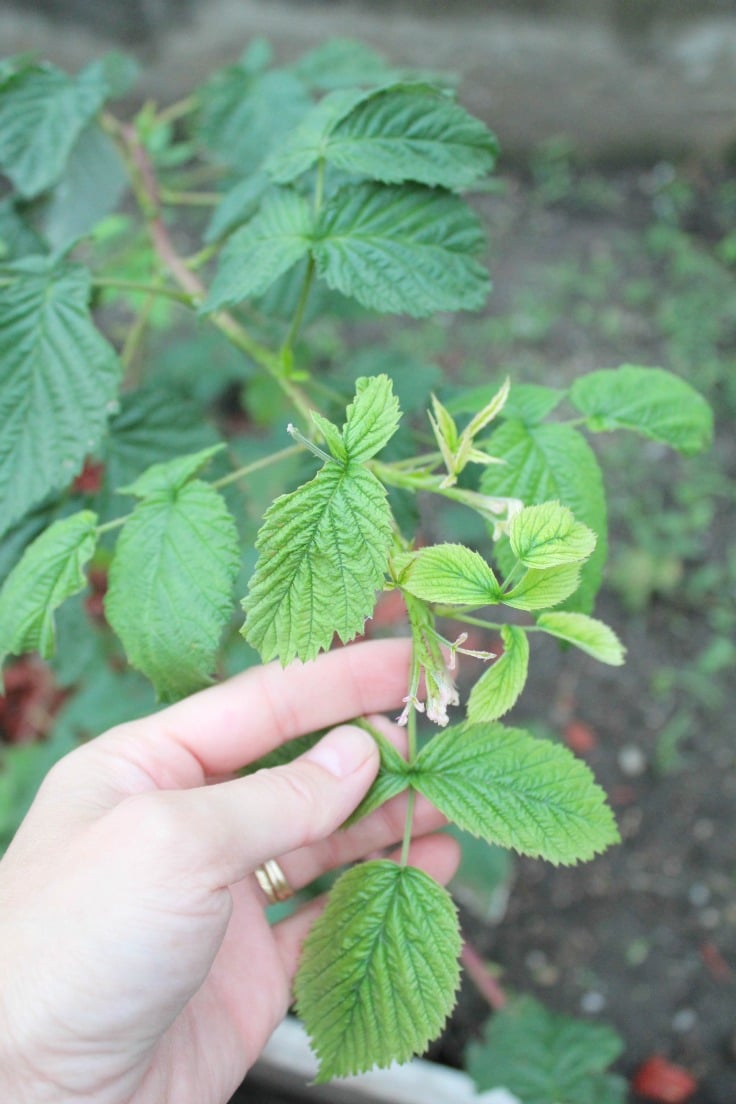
481, 977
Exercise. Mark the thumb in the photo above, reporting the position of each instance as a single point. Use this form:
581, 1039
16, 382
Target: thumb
226, 830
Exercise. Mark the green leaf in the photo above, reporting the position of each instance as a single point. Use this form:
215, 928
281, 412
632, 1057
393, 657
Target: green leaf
379, 969
392, 779
90, 187
483, 879
153, 425
544, 462
332, 436
516, 791
323, 551
371, 419
586, 633
402, 249
17, 237
544, 1057
50, 570
237, 206
450, 574
650, 401
257, 254
548, 535
245, 113
342, 62
171, 476
498, 688
545, 588
412, 132
171, 578
59, 381
42, 113
392, 134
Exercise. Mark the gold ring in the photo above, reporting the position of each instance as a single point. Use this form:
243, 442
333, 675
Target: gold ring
272, 881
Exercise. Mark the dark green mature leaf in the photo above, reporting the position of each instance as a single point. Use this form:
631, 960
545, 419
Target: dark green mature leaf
323, 551
246, 112
379, 969
544, 588
412, 132
177, 554
450, 574
516, 791
267, 247
50, 570
58, 385
544, 1057
237, 206
90, 187
402, 249
343, 62
498, 688
650, 401
586, 633
170, 476
154, 424
392, 134
42, 113
17, 237
548, 535
547, 462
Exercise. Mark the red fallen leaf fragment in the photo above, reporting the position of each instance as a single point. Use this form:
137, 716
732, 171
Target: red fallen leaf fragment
89, 479
30, 701
579, 738
660, 1080
715, 962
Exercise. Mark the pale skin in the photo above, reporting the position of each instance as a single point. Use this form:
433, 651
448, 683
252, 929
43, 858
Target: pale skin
136, 962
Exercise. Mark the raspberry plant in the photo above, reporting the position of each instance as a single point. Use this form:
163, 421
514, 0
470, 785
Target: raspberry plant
339, 175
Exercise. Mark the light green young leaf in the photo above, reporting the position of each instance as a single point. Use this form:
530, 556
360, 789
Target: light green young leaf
50, 571
402, 249
586, 633
517, 791
261, 251
58, 384
379, 969
543, 1057
172, 475
332, 435
42, 113
171, 579
392, 779
499, 687
449, 574
650, 401
548, 535
546, 462
544, 588
372, 417
323, 551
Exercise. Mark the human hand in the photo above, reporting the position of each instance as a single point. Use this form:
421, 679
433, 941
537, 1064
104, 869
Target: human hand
136, 962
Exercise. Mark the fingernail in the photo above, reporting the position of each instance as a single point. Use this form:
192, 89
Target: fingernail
342, 751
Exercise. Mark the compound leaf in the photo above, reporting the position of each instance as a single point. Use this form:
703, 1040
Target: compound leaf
546, 462
323, 551
372, 417
541, 589
50, 571
379, 969
58, 385
412, 132
42, 113
650, 401
544, 1057
450, 574
308, 143
498, 688
517, 791
171, 578
403, 249
587, 633
548, 535
262, 250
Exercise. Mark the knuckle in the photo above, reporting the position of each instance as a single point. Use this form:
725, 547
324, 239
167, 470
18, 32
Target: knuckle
156, 821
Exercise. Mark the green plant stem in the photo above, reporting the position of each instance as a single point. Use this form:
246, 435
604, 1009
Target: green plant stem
189, 199
301, 307
134, 339
146, 190
408, 827
140, 288
411, 734
257, 465
178, 110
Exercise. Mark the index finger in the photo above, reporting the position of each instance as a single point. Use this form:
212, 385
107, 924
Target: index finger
229, 725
